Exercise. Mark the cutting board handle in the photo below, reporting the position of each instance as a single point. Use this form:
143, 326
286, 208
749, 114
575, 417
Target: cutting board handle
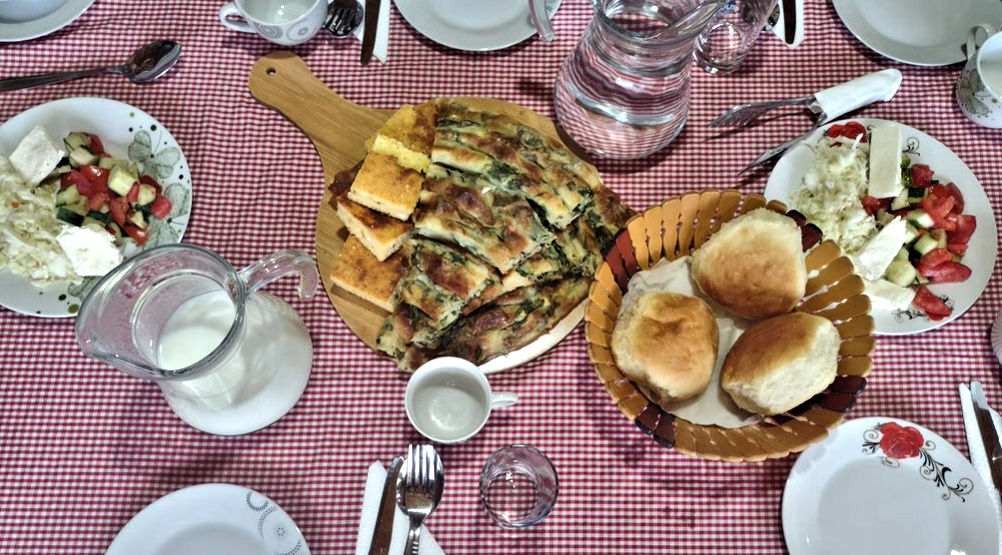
338, 128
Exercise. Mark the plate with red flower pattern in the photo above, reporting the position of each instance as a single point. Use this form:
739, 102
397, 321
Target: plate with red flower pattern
884, 485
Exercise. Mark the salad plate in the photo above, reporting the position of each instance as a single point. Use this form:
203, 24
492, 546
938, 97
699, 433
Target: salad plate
126, 132
919, 32
884, 485
14, 31
222, 519
475, 26
788, 176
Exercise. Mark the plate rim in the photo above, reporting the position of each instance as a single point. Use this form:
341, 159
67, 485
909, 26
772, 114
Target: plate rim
180, 495
405, 8
981, 230
847, 13
48, 23
787, 505
53, 104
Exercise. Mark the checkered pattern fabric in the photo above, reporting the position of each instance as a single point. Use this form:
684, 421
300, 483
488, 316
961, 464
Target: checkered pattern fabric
84, 447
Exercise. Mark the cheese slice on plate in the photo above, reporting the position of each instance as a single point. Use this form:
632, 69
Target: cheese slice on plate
36, 156
884, 294
874, 258
885, 162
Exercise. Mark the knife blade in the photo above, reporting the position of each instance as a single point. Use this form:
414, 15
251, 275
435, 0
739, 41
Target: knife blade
369, 32
789, 21
382, 533
989, 434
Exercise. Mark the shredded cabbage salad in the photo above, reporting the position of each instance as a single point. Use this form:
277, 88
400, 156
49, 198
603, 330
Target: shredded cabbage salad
28, 230
832, 189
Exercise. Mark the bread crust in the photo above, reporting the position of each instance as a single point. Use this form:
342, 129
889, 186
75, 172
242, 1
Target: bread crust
667, 344
753, 266
781, 362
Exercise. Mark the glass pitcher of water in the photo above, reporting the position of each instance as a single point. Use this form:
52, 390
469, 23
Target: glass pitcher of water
229, 358
624, 91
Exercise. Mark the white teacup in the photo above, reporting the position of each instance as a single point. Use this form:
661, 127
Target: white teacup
979, 89
17, 11
449, 400
285, 22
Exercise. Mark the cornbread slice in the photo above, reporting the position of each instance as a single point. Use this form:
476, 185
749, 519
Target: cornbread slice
385, 186
408, 136
358, 272
381, 234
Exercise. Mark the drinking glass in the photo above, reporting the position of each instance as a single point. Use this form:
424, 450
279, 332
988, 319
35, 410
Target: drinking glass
723, 45
518, 486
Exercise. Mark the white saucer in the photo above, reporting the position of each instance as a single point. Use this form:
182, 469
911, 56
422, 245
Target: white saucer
919, 32
61, 17
472, 25
211, 519
882, 486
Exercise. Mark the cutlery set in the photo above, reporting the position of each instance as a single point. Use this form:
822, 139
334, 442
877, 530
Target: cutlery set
414, 484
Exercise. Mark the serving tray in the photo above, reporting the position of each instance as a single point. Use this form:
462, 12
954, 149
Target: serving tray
338, 130
672, 230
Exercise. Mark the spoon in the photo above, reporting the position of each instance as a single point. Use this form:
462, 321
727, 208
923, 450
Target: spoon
150, 62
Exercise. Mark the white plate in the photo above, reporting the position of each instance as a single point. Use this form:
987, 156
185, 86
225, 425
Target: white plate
920, 32
211, 519
855, 493
472, 25
126, 132
788, 176
26, 30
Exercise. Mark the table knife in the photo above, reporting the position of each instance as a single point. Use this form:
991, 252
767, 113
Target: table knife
789, 21
989, 434
382, 534
369, 31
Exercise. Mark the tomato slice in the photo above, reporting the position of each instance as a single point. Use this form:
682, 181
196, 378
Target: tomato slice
853, 130
932, 305
966, 224
939, 210
138, 235
98, 199
161, 207
958, 198
147, 180
95, 145
98, 176
871, 204
835, 130
84, 186
959, 249
118, 207
933, 259
133, 195
921, 175
949, 272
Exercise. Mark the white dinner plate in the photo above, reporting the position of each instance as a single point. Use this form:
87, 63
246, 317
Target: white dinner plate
126, 132
919, 32
882, 486
473, 25
61, 17
211, 519
788, 176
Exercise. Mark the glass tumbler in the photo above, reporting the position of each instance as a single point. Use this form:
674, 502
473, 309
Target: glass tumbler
722, 46
518, 486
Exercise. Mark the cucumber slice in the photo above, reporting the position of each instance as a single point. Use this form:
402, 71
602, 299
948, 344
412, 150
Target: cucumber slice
137, 218
64, 213
900, 272
925, 244
940, 236
900, 201
114, 229
76, 140
69, 195
884, 218
108, 163
920, 218
902, 254
910, 233
82, 157
147, 194
120, 180
63, 168
101, 217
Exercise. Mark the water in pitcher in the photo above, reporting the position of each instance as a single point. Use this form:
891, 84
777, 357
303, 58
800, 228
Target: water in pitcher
624, 91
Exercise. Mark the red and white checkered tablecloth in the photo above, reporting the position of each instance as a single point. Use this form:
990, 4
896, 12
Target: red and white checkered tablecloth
84, 447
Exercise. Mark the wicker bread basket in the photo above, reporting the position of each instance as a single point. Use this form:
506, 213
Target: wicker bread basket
673, 229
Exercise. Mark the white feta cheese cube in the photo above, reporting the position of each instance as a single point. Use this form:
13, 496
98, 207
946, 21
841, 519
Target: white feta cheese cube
884, 294
873, 259
36, 156
91, 250
885, 162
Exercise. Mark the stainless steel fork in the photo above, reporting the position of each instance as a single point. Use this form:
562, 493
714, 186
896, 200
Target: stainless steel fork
343, 17
744, 114
419, 489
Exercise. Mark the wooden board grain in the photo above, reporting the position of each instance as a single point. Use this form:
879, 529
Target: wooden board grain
338, 130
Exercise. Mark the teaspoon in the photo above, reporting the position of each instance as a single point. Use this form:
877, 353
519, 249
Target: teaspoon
148, 63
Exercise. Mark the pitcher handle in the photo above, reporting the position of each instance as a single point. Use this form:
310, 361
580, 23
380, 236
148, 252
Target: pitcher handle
280, 264
537, 9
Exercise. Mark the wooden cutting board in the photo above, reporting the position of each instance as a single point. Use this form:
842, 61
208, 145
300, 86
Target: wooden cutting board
338, 129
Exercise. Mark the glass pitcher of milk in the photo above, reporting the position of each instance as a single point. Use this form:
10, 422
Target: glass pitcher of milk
229, 358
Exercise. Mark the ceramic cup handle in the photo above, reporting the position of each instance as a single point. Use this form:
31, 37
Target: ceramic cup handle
237, 25
501, 400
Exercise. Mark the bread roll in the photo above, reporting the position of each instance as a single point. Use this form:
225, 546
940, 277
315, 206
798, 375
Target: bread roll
667, 344
754, 266
781, 362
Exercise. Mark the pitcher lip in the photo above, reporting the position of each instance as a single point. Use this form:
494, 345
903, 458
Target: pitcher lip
153, 372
